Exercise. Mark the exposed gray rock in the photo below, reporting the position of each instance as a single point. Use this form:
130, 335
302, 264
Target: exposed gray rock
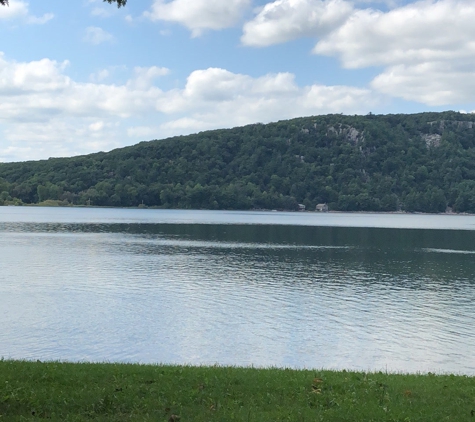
351, 134
432, 140
458, 123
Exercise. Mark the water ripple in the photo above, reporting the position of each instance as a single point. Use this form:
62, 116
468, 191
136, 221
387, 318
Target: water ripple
182, 298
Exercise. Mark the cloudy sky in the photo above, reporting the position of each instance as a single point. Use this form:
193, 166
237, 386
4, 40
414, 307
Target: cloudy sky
82, 76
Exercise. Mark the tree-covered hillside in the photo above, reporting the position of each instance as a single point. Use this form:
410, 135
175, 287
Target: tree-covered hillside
421, 162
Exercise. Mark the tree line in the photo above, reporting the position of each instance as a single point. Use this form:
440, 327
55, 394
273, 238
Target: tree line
417, 163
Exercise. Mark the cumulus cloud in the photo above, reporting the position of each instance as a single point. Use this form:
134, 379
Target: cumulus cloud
415, 33
432, 83
96, 126
44, 112
141, 132
95, 35
30, 77
219, 90
100, 75
388, 3
53, 138
19, 10
98, 10
199, 15
285, 20
145, 76
102, 12
426, 47
15, 10
217, 97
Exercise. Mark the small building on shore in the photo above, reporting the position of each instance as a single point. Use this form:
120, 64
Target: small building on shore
301, 207
321, 208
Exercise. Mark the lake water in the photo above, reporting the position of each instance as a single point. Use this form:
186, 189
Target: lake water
389, 292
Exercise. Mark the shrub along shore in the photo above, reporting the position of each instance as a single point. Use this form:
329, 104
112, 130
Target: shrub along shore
120, 392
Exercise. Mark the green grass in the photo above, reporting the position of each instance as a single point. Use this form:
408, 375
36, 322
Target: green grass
53, 203
118, 392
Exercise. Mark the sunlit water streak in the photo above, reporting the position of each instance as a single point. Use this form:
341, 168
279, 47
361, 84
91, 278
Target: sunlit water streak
119, 290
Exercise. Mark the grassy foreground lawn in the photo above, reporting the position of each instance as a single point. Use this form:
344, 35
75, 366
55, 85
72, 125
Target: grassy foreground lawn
117, 392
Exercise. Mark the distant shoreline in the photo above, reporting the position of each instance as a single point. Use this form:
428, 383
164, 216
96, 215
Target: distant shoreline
54, 204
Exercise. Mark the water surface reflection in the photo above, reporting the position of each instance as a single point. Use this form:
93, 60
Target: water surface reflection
334, 297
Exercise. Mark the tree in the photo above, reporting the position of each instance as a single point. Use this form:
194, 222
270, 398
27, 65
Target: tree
119, 2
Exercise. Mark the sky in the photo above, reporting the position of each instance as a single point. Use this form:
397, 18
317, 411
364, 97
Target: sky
81, 76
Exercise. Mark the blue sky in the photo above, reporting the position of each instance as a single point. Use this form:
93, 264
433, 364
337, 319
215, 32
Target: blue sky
81, 76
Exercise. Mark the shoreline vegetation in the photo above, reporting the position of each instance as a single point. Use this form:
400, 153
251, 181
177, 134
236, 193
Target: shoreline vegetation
376, 163
62, 204
119, 392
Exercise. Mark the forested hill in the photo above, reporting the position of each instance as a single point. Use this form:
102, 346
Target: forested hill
420, 162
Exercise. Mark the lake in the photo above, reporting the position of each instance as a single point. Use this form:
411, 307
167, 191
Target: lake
391, 292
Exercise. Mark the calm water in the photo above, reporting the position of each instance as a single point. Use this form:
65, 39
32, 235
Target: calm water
357, 291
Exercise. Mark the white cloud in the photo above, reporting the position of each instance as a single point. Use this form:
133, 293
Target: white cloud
36, 76
432, 83
426, 47
17, 9
199, 15
184, 125
40, 20
285, 20
43, 112
111, 72
54, 138
96, 126
388, 3
215, 98
101, 12
145, 76
141, 132
20, 10
100, 75
415, 33
96, 35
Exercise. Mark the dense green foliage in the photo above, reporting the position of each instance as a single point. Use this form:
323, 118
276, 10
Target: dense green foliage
110, 392
120, 3
421, 162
